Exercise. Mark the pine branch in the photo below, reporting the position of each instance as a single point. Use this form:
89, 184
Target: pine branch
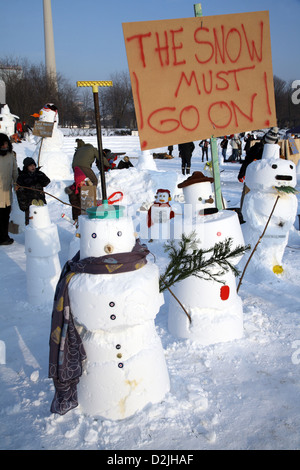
187, 260
286, 189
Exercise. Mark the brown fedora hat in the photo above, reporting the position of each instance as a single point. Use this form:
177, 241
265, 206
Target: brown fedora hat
196, 177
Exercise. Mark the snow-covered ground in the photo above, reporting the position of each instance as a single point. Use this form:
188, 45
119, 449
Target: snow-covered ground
242, 394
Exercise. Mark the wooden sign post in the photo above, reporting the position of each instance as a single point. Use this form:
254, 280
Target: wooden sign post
94, 86
213, 147
42, 129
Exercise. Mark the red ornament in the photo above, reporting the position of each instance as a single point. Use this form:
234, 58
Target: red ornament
224, 292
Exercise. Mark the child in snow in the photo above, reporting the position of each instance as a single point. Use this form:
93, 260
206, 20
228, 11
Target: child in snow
31, 182
73, 191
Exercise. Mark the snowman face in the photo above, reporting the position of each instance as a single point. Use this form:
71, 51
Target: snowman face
264, 174
162, 197
100, 237
48, 115
201, 194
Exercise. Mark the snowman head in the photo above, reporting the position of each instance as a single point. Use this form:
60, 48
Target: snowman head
100, 237
49, 113
266, 173
39, 217
162, 196
198, 191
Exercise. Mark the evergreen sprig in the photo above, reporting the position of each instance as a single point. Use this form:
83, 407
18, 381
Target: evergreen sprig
187, 260
286, 189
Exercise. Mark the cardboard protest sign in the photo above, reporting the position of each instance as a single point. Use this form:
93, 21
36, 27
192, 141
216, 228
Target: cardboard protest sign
43, 129
194, 78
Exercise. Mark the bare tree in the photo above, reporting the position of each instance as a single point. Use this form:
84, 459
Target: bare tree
117, 101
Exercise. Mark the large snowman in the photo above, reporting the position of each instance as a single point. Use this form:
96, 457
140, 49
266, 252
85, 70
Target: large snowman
49, 154
114, 310
262, 178
214, 308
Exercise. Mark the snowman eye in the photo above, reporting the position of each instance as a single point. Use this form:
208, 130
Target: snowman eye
119, 234
274, 166
291, 167
94, 235
199, 198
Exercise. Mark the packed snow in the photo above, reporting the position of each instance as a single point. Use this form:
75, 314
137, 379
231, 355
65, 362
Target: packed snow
239, 394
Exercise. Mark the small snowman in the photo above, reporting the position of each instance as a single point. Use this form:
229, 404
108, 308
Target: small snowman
270, 180
42, 261
49, 155
114, 298
7, 121
159, 215
214, 308
146, 161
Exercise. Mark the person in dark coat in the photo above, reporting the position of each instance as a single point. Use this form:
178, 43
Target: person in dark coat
84, 157
204, 145
31, 177
185, 153
125, 163
224, 145
248, 139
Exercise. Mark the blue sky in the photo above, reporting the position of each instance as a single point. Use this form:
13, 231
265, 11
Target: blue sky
88, 35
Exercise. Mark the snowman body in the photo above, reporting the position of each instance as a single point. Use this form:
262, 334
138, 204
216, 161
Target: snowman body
42, 246
125, 367
262, 177
52, 159
215, 309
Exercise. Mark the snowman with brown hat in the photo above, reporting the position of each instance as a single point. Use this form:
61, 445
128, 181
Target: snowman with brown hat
215, 312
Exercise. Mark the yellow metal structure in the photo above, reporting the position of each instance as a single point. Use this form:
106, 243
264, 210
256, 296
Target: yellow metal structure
95, 84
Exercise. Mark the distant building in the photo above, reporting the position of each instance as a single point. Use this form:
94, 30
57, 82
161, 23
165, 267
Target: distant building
8, 70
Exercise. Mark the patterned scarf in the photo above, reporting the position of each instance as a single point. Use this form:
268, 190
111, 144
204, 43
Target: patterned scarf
66, 348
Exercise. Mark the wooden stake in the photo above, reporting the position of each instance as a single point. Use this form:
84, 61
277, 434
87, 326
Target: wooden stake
259, 240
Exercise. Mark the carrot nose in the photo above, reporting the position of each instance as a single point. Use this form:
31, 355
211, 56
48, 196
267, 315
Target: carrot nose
108, 248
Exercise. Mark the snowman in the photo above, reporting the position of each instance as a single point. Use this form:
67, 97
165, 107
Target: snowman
49, 154
214, 308
42, 262
114, 299
7, 121
146, 161
159, 215
262, 178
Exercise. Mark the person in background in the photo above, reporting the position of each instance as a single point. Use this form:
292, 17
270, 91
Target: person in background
8, 176
224, 145
84, 157
31, 177
185, 153
73, 192
248, 139
170, 149
204, 145
125, 163
19, 130
235, 148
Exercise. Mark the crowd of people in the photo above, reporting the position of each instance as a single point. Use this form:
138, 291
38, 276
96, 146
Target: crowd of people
29, 182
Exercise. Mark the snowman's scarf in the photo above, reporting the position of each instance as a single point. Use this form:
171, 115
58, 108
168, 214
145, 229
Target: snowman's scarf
66, 348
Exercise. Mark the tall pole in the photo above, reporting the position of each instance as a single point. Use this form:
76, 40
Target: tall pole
213, 145
95, 85
49, 42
